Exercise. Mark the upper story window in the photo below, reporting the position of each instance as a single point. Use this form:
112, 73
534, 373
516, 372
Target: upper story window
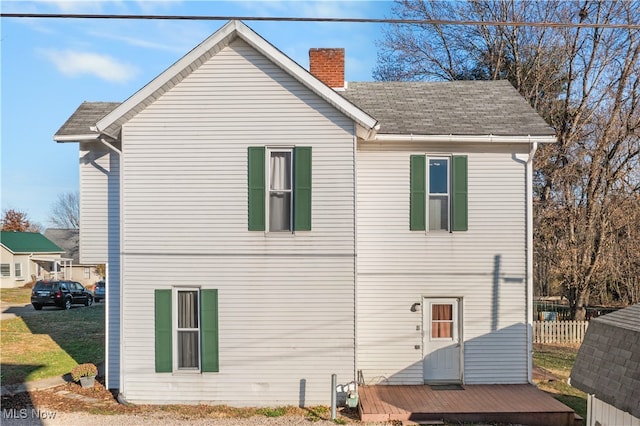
280, 190
438, 194
279, 184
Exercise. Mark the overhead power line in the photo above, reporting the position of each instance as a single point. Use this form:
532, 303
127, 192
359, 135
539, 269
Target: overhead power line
347, 20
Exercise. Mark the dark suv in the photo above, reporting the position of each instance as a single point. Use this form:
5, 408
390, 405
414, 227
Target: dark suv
62, 294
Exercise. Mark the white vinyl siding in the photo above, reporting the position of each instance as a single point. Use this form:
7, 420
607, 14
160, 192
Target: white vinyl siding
599, 413
286, 301
99, 201
484, 266
100, 236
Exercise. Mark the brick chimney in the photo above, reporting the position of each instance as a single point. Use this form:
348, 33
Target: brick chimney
327, 64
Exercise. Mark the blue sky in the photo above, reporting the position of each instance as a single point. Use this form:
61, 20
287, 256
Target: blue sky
50, 66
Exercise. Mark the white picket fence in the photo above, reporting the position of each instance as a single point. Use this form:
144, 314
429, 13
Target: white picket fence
559, 331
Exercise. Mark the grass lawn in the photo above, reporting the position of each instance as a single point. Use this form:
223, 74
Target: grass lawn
51, 342
16, 295
559, 361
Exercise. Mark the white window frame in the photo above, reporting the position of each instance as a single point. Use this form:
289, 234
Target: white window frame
268, 191
17, 267
175, 330
87, 272
2, 268
454, 320
446, 158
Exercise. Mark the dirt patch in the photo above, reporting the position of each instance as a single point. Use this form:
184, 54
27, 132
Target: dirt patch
72, 398
542, 375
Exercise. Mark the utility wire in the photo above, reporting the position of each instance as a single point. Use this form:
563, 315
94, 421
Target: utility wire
348, 20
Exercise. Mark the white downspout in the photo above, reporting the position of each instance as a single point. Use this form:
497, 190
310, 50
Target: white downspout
529, 294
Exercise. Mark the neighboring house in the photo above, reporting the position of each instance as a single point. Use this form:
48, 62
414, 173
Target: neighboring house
69, 241
607, 368
30, 255
267, 226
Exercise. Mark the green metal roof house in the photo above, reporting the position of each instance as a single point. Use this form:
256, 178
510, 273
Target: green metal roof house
29, 254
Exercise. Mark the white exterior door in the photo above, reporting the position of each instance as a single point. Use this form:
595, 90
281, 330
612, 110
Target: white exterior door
441, 340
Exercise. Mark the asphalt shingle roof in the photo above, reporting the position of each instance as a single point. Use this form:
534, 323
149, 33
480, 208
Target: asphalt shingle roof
608, 362
405, 108
28, 242
68, 240
448, 108
87, 115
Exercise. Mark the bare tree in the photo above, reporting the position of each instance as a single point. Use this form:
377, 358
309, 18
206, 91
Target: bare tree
65, 213
585, 82
15, 220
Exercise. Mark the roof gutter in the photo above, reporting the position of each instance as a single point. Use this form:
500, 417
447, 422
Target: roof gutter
76, 138
464, 138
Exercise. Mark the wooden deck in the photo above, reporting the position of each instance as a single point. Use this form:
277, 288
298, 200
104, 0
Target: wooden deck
521, 404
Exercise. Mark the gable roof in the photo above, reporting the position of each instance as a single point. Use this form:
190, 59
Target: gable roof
28, 242
68, 240
608, 362
448, 108
111, 123
460, 110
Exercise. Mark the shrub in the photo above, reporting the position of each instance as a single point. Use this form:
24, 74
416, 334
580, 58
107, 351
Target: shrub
83, 370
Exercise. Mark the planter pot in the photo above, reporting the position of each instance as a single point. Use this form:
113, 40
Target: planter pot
87, 382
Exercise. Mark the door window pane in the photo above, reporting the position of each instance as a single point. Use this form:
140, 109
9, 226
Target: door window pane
442, 321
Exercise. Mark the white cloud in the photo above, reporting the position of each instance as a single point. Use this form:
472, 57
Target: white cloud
74, 63
66, 6
138, 42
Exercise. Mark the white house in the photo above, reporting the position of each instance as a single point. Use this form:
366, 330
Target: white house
264, 228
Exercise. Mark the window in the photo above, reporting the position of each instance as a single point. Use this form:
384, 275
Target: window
5, 269
438, 197
441, 321
186, 330
438, 194
18, 270
279, 181
280, 190
87, 272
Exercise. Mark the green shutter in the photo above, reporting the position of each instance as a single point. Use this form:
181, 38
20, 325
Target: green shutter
163, 331
302, 188
459, 203
417, 197
256, 188
209, 329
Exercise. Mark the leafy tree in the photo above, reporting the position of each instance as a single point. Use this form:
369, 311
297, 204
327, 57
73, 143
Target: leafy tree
585, 81
15, 220
65, 212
